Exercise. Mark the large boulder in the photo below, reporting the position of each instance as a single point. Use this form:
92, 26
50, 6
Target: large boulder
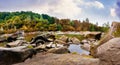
9, 56
113, 32
42, 39
61, 59
109, 52
94, 35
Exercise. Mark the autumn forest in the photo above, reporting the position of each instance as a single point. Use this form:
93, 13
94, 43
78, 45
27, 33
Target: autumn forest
29, 22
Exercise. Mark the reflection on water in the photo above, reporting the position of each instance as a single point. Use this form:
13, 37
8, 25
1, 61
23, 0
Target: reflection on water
78, 49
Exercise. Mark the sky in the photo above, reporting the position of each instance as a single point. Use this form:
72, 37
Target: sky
101, 11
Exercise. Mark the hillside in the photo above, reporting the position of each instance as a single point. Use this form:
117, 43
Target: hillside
13, 21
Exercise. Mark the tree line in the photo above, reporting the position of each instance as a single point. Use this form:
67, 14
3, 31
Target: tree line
29, 21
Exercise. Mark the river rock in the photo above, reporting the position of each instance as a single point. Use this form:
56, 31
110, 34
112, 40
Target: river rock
94, 35
16, 43
109, 52
61, 50
9, 56
52, 45
75, 40
2, 40
63, 38
86, 47
85, 41
60, 42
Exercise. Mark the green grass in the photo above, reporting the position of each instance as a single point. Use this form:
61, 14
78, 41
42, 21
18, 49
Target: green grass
87, 56
3, 44
117, 33
28, 37
74, 53
80, 37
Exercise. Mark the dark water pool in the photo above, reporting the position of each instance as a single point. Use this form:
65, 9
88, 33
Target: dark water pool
78, 49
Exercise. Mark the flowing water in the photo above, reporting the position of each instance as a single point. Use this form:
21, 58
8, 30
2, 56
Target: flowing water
78, 49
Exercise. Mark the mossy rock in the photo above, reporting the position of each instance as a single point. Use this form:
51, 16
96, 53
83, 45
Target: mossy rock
117, 32
30, 46
74, 53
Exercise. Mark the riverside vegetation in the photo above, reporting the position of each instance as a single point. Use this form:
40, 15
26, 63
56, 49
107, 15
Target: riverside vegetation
28, 21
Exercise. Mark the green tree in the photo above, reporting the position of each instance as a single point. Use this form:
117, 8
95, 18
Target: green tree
52, 27
105, 27
92, 27
59, 27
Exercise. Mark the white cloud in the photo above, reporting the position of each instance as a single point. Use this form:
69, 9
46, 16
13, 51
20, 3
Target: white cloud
112, 12
96, 4
63, 9
66, 8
